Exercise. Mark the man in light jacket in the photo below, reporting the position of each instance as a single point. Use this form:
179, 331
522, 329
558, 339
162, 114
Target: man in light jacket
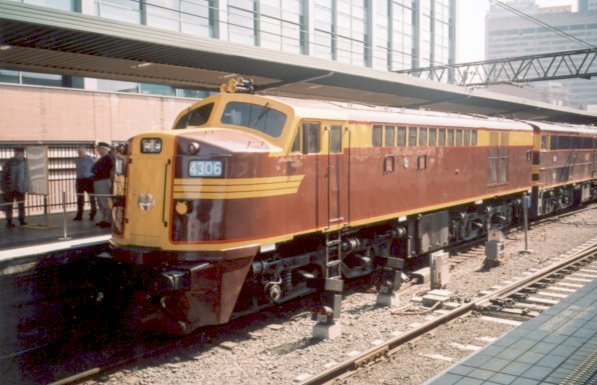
15, 182
84, 183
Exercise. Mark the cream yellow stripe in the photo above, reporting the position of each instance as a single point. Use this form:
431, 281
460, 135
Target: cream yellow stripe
235, 188
235, 195
237, 181
206, 188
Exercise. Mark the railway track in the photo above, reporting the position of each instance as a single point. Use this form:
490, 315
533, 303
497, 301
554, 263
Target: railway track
515, 301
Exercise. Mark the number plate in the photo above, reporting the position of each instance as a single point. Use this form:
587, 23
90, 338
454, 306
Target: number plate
205, 168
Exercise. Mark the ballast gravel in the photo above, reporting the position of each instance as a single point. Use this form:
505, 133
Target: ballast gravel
276, 346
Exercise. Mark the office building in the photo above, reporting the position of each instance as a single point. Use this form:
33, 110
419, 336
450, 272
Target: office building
510, 35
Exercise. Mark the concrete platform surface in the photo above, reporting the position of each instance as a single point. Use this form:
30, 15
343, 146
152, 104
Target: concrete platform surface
559, 347
42, 229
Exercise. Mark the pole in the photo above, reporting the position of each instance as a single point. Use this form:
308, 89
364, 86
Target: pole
65, 237
525, 219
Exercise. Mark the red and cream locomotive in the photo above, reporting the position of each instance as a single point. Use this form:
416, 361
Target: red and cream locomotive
251, 200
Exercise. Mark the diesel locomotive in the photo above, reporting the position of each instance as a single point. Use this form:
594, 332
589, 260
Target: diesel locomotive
252, 200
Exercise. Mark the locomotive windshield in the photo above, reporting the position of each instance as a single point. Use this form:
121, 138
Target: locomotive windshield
257, 117
196, 117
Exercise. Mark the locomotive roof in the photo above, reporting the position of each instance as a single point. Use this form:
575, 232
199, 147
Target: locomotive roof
564, 128
324, 109
382, 114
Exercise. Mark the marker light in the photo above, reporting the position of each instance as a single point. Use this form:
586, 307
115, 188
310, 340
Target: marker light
151, 145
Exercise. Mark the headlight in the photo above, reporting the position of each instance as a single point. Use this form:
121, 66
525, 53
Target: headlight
193, 148
151, 145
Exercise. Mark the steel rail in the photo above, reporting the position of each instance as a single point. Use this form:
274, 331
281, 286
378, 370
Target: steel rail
350, 365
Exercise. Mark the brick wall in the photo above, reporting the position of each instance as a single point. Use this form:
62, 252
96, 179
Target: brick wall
31, 113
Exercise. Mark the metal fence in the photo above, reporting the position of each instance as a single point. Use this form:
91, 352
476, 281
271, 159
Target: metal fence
61, 176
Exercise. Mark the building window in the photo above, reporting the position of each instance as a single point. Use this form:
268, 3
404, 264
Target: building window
8, 76
188, 16
241, 22
340, 31
280, 25
401, 35
64, 5
49, 80
121, 10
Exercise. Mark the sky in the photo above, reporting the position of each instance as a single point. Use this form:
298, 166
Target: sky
470, 29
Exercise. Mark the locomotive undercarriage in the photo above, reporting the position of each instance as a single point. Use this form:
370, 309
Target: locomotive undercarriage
383, 251
554, 200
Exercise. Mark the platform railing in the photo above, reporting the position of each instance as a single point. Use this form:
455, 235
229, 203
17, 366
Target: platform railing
61, 177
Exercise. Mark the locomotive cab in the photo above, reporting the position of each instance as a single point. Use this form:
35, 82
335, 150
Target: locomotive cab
190, 212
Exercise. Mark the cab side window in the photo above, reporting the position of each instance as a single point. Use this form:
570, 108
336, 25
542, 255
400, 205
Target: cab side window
311, 136
335, 139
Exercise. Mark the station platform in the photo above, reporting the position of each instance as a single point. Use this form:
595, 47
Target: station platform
48, 233
559, 347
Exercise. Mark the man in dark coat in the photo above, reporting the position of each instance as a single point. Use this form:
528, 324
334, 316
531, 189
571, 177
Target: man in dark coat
15, 181
102, 183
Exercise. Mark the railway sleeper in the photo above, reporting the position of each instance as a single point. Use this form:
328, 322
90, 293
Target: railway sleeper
520, 315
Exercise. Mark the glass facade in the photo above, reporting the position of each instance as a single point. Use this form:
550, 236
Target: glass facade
387, 35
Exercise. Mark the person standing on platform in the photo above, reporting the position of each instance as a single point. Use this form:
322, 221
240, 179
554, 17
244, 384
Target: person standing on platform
15, 181
102, 183
83, 164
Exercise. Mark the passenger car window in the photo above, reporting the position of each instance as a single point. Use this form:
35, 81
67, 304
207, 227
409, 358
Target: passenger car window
376, 136
401, 136
412, 136
441, 137
432, 136
423, 136
450, 141
390, 134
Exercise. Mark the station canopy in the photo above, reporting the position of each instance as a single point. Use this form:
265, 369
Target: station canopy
40, 39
